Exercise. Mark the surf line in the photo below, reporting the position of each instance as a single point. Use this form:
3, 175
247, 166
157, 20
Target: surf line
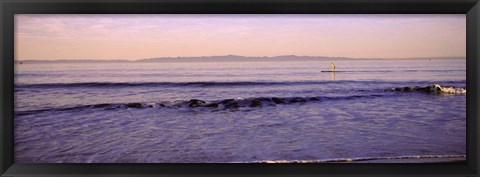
364, 159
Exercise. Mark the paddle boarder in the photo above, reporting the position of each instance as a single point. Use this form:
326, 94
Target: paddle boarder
333, 67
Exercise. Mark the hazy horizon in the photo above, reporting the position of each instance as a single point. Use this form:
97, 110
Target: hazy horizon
136, 37
213, 56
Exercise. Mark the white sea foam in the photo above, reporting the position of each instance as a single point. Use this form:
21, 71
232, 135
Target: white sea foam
451, 90
436, 88
363, 159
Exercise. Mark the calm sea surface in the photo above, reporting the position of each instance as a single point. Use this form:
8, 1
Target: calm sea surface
236, 111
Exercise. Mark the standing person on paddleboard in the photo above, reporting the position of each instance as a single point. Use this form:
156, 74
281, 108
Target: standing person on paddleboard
333, 67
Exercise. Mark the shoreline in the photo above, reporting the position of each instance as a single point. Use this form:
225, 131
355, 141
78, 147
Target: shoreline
417, 160
401, 159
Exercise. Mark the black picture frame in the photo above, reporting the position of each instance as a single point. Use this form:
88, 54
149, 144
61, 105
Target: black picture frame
10, 7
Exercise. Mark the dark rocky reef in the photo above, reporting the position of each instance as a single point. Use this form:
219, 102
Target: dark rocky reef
134, 105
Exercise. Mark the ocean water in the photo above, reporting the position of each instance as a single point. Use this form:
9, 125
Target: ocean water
238, 111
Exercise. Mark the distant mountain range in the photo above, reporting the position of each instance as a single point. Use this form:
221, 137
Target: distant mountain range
226, 58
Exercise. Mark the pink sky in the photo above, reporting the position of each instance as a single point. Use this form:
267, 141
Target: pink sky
132, 37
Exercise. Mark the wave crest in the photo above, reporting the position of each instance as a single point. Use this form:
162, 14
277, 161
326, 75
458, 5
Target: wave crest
224, 104
436, 88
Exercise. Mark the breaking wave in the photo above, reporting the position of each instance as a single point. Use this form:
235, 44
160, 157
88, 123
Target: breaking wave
233, 103
433, 89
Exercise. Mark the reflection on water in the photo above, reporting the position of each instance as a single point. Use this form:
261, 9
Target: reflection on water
236, 112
